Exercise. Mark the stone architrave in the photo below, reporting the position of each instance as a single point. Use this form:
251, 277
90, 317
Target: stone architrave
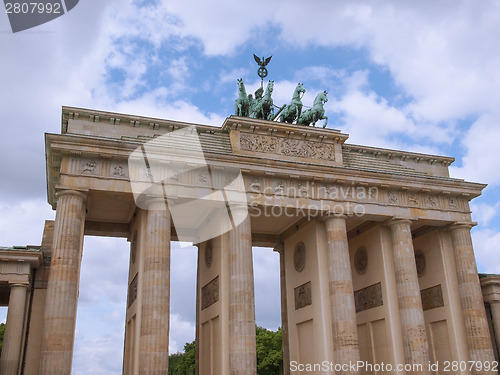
153, 351
476, 326
242, 345
345, 332
416, 347
13, 336
62, 290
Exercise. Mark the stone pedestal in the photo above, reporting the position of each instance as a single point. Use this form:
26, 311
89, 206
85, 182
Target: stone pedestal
62, 287
343, 310
13, 336
415, 343
153, 352
471, 298
284, 311
242, 347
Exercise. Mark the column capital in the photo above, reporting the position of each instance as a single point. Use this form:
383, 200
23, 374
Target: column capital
80, 193
155, 202
332, 215
398, 220
19, 285
461, 225
279, 248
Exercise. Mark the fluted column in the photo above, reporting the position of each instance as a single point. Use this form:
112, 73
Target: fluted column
343, 310
284, 311
495, 316
155, 308
243, 353
13, 336
415, 343
478, 334
62, 288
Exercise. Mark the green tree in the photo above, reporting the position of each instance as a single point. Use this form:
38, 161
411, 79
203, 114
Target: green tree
2, 331
269, 355
183, 363
269, 352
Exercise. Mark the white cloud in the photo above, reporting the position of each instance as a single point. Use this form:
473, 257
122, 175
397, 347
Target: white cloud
22, 222
182, 331
266, 264
486, 250
483, 213
481, 159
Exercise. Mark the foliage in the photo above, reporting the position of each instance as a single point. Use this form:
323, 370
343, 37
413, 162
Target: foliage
269, 355
2, 331
183, 363
269, 352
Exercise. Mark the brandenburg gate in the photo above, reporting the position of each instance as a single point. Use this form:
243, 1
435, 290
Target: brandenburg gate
376, 257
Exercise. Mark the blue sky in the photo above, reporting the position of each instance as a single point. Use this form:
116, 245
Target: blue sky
419, 76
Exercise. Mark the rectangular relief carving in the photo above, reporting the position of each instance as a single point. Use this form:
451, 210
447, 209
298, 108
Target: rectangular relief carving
303, 296
287, 147
432, 297
132, 292
210, 293
119, 170
368, 298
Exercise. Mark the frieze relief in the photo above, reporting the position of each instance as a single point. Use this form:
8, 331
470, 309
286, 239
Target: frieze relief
210, 293
392, 197
89, 167
431, 201
368, 298
303, 295
119, 170
432, 297
298, 188
132, 292
288, 147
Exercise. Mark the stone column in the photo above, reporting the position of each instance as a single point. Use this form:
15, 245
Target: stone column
471, 297
13, 336
284, 310
495, 316
62, 287
345, 331
155, 308
198, 304
415, 343
243, 353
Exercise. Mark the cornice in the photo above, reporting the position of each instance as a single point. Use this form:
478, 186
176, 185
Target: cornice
280, 129
125, 120
58, 146
402, 155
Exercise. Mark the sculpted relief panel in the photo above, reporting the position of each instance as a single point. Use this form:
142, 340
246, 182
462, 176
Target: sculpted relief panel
303, 295
287, 147
432, 297
210, 293
273, 184
368, 298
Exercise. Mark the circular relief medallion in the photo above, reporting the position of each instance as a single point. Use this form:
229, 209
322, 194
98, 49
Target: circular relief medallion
299, 256
133, 247
361, 260
208, 254
420, 262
